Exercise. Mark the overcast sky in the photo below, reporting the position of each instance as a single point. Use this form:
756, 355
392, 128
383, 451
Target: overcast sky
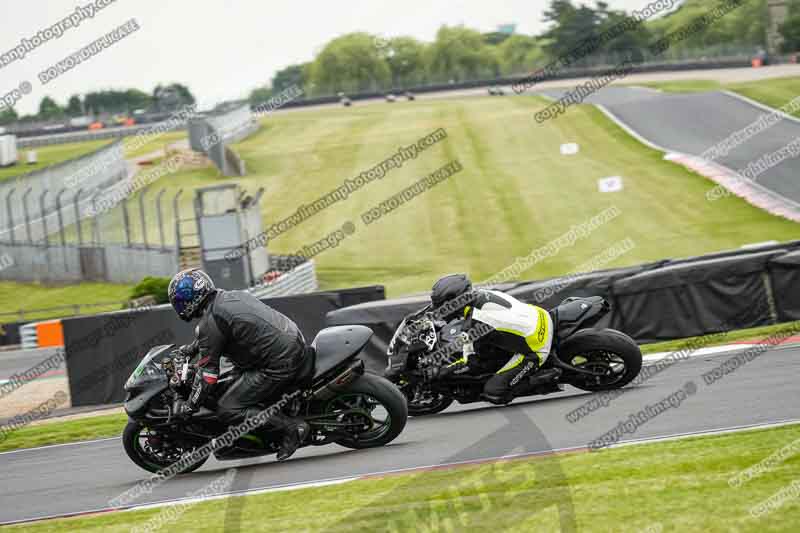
222, 50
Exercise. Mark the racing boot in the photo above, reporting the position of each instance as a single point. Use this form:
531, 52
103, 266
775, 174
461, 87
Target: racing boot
295, 433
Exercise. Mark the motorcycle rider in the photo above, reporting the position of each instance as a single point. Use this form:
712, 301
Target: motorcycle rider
526, 331
265, 347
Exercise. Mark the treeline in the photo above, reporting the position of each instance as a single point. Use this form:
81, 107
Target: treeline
363, 62
163, 98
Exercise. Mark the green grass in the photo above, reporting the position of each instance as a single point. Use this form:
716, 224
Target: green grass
515, 194
26, 296
55, 432
775, 92
48, 155
750, 334
684, 86
679, 485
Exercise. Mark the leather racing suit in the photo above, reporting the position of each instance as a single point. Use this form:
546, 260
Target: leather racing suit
526, 331
265, 347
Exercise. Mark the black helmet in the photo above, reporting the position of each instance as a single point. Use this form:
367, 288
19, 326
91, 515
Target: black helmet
449, 287
188, 291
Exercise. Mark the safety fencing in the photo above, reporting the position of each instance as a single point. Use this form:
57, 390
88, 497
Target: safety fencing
33, 204
115, 263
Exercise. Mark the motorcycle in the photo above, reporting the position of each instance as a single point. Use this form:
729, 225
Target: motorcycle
340, 401
589, 359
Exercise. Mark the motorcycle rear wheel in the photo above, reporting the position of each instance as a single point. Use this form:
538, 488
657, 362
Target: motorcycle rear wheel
601, 350
368, 394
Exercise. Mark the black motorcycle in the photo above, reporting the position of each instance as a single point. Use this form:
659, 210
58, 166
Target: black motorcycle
589, 359
340, 401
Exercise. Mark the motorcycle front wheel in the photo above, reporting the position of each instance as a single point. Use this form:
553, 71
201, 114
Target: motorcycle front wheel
152, 451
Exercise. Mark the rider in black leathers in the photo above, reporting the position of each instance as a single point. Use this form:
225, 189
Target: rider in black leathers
265, 347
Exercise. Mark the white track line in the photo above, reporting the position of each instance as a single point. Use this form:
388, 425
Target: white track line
759, 105
719, 431
670, 154
633, 133
59, 445
340, 480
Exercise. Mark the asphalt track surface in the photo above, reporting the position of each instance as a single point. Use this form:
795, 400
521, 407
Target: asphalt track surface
83, 477
19, 361
693, 123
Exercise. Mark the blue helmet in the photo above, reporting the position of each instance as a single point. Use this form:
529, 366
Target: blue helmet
188, 291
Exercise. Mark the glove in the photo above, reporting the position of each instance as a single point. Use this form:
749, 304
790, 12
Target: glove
189, 350
182, 409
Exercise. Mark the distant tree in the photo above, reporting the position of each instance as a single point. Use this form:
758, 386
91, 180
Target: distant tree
350, 63
259, 95
293, 75
172, 96
8, 116
461, 54
495, 37
570, 26
112, 101
520, 53
74, 106
790, 29
49, 109
406, 59
136, 99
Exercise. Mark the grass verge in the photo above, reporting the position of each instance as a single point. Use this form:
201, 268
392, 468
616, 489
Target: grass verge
671, 486
56, 432
48, 155
16, 296
751, 334
774, 92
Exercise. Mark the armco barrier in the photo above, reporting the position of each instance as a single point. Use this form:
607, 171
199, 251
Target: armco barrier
114, 263
658, 301
102, 350
212, 135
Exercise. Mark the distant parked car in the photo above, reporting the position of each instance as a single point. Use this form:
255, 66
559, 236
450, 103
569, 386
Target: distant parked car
411, 97
346, 101
496, 90
391, 98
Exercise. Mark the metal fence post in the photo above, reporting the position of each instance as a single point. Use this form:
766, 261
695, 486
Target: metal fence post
60, 217
44, 217
160, 217
141, 214
126, 222
10, 217
27, 215
78, 216
176, 210
95, 220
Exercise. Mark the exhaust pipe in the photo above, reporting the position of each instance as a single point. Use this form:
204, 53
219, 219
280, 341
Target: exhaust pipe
340, 382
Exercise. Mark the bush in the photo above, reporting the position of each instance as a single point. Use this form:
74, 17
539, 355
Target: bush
157, 287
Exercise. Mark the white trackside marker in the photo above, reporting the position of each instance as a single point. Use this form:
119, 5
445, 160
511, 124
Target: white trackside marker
610, 184
569, 149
